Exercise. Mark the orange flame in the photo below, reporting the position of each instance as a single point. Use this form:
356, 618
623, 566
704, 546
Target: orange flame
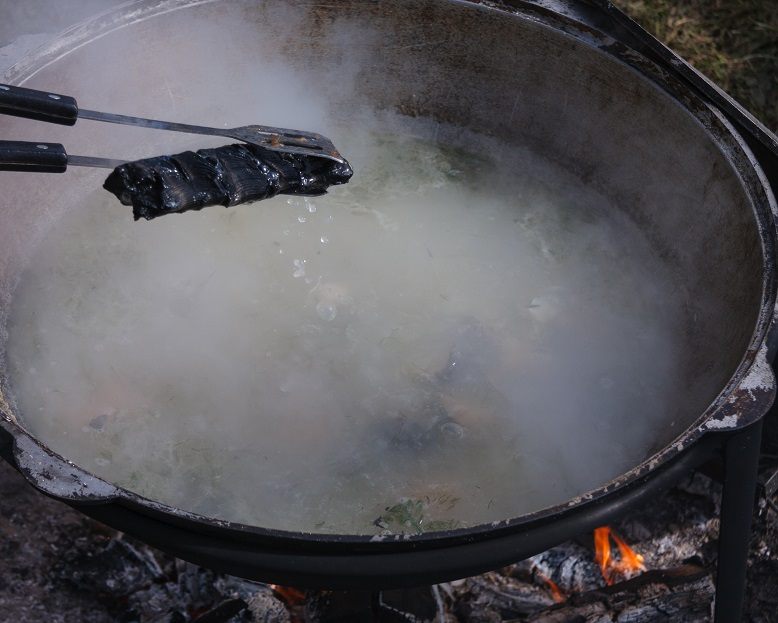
629, 562
602, 550
556, 593
290, 596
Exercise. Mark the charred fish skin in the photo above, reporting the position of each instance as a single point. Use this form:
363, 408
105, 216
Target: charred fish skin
227, 176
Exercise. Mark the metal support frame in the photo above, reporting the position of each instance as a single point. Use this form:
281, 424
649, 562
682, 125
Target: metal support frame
741, 461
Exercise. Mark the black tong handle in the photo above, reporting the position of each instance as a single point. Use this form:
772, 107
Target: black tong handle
40, 105
35, 157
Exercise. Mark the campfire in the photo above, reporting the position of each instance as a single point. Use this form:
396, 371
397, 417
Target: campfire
572, 572
628, 563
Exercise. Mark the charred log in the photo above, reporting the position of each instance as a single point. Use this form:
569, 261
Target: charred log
682, 595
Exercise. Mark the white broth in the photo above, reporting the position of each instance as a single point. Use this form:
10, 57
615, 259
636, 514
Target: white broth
448, 340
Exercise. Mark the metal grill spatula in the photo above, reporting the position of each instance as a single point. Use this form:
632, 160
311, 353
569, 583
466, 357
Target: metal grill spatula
64, 110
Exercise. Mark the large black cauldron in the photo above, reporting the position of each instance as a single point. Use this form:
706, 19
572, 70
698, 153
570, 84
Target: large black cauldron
576, 82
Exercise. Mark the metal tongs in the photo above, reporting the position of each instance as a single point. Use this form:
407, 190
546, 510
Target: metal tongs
64, 110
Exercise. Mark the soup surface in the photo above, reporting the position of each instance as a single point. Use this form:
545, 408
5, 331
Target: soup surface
450, 339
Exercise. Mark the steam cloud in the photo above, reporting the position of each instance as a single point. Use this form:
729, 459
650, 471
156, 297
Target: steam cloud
288, 364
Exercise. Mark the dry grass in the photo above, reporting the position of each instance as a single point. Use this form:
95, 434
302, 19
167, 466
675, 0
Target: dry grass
733, 42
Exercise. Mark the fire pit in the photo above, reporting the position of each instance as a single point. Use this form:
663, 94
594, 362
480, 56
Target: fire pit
592, 99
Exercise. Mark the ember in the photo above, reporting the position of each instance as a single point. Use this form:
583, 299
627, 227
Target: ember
628, 563
556, 593
288, 594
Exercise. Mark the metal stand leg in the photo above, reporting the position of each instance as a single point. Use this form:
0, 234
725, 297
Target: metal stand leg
741, 459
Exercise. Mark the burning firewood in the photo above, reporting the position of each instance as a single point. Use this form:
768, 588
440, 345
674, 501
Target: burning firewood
626, 565
679, 594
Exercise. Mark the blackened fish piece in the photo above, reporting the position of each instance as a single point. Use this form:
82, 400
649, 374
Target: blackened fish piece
225, 176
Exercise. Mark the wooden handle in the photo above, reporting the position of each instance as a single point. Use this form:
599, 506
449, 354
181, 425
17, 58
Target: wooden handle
40, 105
33, 157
